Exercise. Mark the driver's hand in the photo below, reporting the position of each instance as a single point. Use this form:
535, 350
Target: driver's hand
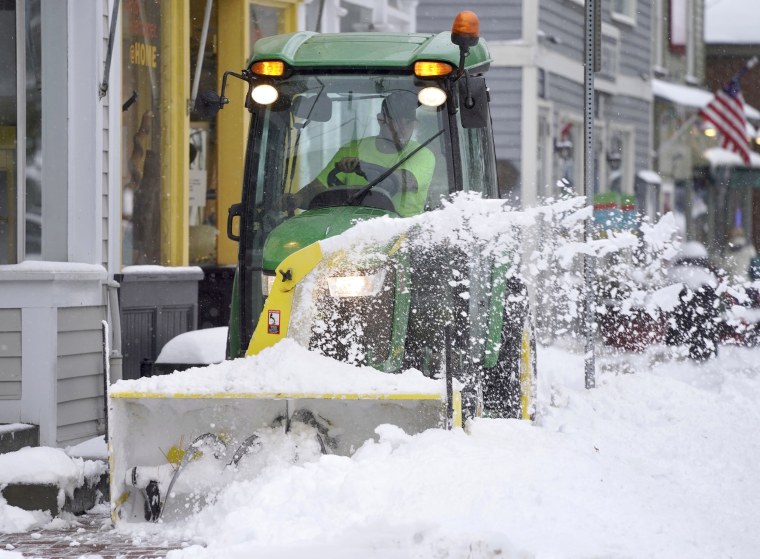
348, 165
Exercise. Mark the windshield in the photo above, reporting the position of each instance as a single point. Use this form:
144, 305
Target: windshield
327, 136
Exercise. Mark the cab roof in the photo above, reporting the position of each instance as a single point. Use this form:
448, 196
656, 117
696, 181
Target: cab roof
306, 49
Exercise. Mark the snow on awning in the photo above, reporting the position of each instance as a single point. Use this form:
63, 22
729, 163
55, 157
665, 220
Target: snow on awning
719, 157
690, 96
649, 176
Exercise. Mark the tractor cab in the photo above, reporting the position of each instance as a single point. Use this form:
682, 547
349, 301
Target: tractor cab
351, 126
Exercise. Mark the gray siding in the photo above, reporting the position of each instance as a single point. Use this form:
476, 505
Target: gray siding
636, 42
500, 20
505, 85
10, 354
561, 22
80, 373
635, 112
564, 93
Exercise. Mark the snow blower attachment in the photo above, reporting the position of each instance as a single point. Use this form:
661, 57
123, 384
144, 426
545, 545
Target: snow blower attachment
171, 454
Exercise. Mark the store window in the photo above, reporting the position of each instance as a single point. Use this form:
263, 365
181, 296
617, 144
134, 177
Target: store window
155, 85
266, 21
20, 117
141, 133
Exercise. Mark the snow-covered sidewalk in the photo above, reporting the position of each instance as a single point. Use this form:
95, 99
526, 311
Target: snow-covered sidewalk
659, 460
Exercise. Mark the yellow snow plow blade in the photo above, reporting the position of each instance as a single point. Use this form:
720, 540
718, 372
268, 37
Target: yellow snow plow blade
171, 453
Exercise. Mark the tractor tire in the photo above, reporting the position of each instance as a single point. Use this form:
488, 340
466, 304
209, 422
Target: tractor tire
510, 386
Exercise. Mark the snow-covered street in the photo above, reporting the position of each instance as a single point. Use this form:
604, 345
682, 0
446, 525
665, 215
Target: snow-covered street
657, 461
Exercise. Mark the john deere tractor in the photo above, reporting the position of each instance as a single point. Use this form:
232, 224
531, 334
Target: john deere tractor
312, 96
349, 128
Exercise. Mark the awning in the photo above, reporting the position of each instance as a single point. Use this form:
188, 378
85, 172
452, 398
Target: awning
719, 157
693, 97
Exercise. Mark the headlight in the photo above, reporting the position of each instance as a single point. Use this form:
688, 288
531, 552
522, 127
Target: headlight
264, 94
431, 96
356, 286
267, 281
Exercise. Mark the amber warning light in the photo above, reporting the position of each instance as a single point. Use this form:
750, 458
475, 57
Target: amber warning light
268, 68
465, 31
424, 69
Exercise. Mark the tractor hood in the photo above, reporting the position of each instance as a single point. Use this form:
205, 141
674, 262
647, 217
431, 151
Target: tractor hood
310, 226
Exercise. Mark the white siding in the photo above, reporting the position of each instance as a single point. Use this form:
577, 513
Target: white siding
80, 391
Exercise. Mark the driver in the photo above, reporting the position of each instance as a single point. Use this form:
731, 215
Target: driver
361, 161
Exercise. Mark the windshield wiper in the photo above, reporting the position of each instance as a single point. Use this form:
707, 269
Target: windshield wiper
359, 196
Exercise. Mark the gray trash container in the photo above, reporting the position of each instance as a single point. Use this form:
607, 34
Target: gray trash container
156, 303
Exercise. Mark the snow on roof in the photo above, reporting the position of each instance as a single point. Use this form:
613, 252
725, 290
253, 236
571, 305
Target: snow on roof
647, 175
732, 21
690, 96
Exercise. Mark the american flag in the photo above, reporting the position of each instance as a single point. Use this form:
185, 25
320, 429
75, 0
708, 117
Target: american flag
726, 113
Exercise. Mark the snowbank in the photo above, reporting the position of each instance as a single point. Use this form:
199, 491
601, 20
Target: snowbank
42, 465
657, 461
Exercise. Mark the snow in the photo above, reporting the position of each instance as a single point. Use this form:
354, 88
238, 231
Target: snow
657, 461
148, 269
717, 157
31, 270
94, 448
690, 96
649, 176
285, 368
9, 427
196, 347
42, 465
731, 21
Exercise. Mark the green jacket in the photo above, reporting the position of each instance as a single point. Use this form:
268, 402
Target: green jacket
408, 202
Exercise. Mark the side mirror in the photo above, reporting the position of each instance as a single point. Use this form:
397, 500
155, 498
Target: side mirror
473, 102
207, 104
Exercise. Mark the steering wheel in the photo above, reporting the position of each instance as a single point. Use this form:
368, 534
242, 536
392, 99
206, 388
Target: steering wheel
370, 172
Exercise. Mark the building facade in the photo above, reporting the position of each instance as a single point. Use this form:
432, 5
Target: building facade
60, 182
536, 83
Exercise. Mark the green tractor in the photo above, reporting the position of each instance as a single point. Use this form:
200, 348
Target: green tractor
347, 128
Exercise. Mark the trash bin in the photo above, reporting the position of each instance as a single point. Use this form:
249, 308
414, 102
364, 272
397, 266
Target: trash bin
157, 303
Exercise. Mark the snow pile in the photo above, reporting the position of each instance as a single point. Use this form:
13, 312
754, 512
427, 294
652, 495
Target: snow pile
42, 465
658, 463
95, 448
45, 465
285, 368
197, 346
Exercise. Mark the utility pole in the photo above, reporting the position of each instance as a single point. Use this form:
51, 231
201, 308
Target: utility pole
593, 63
